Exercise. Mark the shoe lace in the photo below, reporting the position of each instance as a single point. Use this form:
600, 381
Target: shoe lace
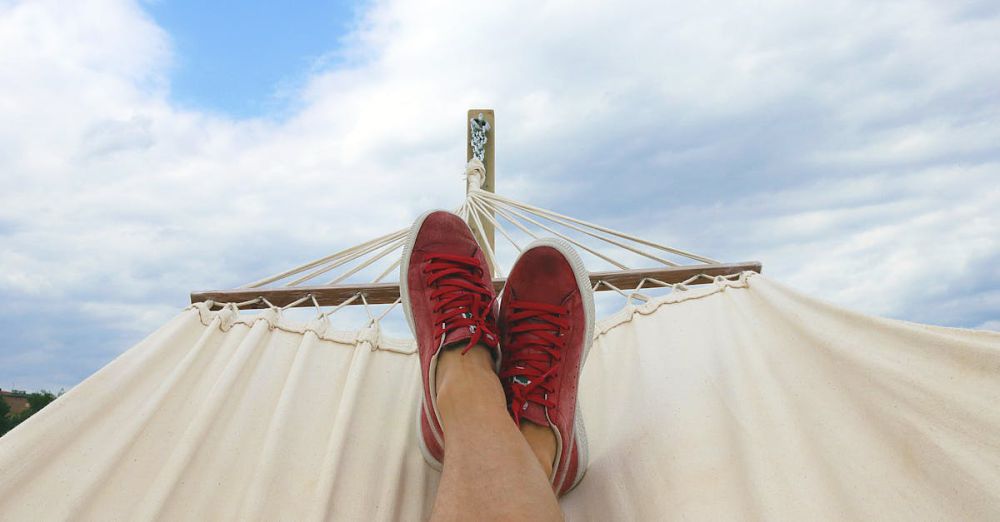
533, 354
461, 298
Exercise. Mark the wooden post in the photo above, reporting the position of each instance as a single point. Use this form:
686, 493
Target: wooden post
488, 160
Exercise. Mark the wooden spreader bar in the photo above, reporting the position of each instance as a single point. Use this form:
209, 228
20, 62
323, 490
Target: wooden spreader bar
387, 293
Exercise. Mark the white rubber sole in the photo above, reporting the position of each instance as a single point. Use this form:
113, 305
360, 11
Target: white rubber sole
404, 266
582, 276
404, 293
422, 444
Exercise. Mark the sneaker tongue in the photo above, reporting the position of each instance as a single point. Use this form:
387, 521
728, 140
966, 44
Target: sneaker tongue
465, 332
457, 335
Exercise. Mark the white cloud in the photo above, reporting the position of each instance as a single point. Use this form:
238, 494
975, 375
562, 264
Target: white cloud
850, 145
990, 325
126, 317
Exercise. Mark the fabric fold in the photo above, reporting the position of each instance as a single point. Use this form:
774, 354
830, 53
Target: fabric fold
735, 400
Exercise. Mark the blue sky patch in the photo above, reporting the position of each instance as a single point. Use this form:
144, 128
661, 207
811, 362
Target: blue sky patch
243, 58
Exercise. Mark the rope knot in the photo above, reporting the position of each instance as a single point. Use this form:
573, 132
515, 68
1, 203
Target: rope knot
369, 335
475, 174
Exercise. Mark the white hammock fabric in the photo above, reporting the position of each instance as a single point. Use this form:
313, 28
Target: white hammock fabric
739, 400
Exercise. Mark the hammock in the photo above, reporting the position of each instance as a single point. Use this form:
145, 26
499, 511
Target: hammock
713, 394
737, 400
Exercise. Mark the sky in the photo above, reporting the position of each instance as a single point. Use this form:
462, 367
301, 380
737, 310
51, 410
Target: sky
246, 59
152, 148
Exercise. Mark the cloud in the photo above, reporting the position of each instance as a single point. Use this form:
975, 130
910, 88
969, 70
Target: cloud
110, 136
990, 325
850, 146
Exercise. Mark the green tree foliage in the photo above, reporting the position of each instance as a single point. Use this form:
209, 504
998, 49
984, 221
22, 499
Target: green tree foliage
36, 401
6, 423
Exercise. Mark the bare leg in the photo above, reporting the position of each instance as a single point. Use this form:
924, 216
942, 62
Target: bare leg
490, 472
543, 443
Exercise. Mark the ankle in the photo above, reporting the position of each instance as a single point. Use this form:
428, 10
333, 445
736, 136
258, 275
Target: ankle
542, 441
456, 371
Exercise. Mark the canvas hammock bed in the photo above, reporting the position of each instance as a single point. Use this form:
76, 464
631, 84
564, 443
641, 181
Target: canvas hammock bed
729, 397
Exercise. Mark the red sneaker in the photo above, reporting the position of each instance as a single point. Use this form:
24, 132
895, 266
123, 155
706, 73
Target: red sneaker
546, 329
448, 298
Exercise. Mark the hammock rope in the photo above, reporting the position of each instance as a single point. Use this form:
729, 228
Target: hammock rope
484, 211
482, 208
363, 274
